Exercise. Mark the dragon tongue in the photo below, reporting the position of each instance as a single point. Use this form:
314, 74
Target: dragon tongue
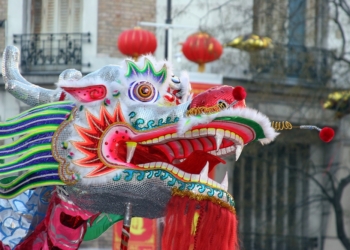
194, 163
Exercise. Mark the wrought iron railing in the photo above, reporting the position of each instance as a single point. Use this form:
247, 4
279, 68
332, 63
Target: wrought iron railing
51, 52
306, 65
255, 241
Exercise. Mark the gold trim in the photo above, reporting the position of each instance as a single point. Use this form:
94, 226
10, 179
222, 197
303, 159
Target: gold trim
199, 197
206, 110
284, 125
63, 167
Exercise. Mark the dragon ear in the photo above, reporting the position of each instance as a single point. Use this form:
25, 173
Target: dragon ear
19, 87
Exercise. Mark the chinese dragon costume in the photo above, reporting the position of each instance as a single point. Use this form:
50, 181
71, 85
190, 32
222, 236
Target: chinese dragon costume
122, 141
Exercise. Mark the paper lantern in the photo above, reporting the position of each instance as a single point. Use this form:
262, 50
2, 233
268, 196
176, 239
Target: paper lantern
137, 42
201, 48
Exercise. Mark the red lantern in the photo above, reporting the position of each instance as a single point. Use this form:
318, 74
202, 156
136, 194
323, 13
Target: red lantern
201, 48
137, 42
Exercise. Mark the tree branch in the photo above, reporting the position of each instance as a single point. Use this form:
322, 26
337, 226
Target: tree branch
323, 190
339, 212
183, 9
342, 33
345, 7
330, 177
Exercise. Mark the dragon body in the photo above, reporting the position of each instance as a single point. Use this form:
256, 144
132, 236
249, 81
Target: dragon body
128, 134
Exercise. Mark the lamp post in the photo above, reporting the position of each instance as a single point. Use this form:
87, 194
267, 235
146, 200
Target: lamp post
168, 31
168, 26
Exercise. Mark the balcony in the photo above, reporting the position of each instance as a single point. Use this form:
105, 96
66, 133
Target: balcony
292, 64
51, 52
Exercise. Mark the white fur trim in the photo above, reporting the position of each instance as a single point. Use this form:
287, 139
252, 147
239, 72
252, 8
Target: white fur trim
186, 123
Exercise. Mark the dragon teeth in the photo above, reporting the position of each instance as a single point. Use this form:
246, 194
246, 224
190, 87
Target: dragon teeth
187, 176
203, 176
203, 132
205, 170
224, 182
130, 150
195, 133
195, 177
239, 149
188, 134
218, 138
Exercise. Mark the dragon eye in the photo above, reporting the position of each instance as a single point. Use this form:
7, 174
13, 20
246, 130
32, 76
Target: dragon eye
175, 79
143, 92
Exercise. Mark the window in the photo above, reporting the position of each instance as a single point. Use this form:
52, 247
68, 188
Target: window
269, 193
56, 16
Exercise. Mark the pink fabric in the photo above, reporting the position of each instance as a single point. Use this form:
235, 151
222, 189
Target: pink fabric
51, 232
4, 247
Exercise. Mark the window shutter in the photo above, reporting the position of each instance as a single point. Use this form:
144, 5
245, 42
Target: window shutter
48, 14
36, 16
75, 17
56, 16
63, 16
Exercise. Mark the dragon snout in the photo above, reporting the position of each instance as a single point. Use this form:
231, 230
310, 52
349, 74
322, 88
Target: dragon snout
216, 99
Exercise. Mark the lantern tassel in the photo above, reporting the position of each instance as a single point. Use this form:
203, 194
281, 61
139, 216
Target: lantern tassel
201, 67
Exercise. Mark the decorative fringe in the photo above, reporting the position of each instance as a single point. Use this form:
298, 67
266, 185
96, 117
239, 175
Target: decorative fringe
206, 110
198, 224
32, 164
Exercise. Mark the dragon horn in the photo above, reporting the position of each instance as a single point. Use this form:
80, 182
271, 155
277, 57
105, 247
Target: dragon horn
19, 87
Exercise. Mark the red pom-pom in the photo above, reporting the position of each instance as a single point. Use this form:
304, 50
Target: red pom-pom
326, 134
239, 93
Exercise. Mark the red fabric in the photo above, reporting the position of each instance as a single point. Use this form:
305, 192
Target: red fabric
195, 162
59, 228
4, 247
71, 221
216, 227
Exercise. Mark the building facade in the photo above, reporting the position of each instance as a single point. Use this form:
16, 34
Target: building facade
279, 202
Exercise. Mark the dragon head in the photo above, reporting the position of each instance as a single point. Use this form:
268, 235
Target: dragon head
126, 142
133, 134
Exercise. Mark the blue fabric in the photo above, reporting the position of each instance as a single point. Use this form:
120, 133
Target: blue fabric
19, 216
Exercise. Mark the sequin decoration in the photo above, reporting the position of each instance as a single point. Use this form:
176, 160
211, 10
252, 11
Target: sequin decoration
21, 88
148, 199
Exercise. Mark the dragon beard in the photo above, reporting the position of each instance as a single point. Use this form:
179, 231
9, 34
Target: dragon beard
194, 221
